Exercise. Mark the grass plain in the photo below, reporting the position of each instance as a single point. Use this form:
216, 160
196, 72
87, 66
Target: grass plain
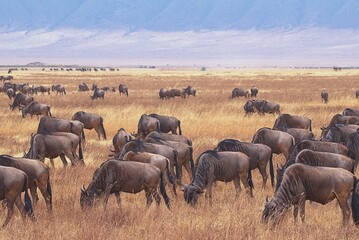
207, 118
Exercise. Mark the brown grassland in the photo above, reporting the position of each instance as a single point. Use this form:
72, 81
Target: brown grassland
206, 119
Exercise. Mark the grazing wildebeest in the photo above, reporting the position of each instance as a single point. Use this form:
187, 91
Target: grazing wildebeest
353, 146
125, 176
168, 123
174, 93
170, 137
254, 91
53, 146
259, 154
278, 141
10, 93
249, 107
166, 151
43, 89
94, 86
351, 112
325, 96
219, 166
189, 91
35, 108
318, 184
163, 93
338, 133
24, 88
38, 176
269, 107
49, 125
298, 134
91, 121
157, 160
318, 146
184, 155
238, 92
98, 93
59, 89
123, 89
147, 124
21, 100
83, 87
12, 183
341, 119
292, 121
119, 140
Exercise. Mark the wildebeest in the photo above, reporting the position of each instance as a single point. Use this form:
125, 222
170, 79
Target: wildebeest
298, 134
352, 144
170, 137
163, 93
123, 89
341, 119
10, 93
124, 176
53, 146
174, 93
157, 160
24, 88
254, 105
91, 121
147, 124
83, 87
318, 146
351, 112
12, 183
219, 166
59, 89
269, 107
119, 140
338, 133
94, 86
21, 100
318, 184
38, 176
35, 108
49, 125
254, 91
168, 123
184, 155
325, 96
278, 141
292, 121
42, 90
166, 151
259, 154
238, 92
189, 91
98, 93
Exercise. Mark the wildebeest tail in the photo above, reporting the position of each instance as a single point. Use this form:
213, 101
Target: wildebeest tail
179, 127
355, 202
249, 179
310, 125
170, 177
191, 160
163, 192
48, 109
271, 170
28, 205
177, 168
103, 129
49, 191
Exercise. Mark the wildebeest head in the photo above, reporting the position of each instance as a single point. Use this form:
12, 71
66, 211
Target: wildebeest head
269, 210
191, 194
29, 154
86, 200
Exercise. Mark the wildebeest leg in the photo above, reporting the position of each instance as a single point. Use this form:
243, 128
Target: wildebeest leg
208, 194
188, 169
156, 196
107, 194
98, 132
243, 178
63, 159
52, 162
295, 212
237, 186
263, 172
148, 197
118, 198
35, 197
20, 206
10, 208
169, 184
343, 203
45, 194
302, 209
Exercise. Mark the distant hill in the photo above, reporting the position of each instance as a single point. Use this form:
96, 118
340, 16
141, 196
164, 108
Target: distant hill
178, 15
36, 64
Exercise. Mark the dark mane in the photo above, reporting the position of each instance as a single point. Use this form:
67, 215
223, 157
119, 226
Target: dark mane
210, 152
6, 160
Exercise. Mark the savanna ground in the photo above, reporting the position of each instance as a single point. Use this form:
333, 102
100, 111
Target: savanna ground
206, 119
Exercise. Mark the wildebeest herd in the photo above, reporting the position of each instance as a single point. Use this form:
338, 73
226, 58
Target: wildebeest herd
152, 159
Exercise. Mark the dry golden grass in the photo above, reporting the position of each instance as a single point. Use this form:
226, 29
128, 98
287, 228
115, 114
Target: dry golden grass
206, 119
